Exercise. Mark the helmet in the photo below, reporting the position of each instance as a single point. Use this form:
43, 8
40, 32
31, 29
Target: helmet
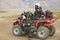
37, 4
38, 7
26, 12
48, 11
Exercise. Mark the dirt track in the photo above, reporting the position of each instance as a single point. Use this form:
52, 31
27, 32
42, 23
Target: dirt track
6, 28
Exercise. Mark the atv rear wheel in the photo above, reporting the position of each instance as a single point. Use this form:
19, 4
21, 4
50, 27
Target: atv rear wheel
42, 32
51, 31
17, 31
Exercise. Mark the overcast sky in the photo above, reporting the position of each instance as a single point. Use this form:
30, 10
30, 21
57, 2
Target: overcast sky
16, 4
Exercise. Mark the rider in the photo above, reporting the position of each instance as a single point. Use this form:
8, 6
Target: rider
24, 15
49, 14
26, 19
38, 11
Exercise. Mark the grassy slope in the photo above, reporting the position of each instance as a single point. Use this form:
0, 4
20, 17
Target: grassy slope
5, 13
57, 15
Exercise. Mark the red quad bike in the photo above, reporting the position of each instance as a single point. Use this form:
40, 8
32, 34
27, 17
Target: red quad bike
43, 28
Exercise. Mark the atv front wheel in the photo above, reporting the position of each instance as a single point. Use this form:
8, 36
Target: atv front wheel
17, 31
42, 32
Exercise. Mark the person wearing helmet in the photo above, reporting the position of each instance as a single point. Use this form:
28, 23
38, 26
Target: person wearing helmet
38, 10
49, 14
26, 16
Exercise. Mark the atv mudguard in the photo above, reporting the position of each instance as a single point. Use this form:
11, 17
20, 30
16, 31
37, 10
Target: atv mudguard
37, 23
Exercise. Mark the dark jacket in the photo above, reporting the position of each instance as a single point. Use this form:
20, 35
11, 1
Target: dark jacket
38, 14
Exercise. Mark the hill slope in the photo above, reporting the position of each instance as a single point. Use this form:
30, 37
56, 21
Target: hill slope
25, 4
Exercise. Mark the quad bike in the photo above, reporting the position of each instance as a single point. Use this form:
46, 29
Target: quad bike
43, 28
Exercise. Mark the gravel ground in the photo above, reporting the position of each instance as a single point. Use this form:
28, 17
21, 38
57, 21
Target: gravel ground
6, 29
